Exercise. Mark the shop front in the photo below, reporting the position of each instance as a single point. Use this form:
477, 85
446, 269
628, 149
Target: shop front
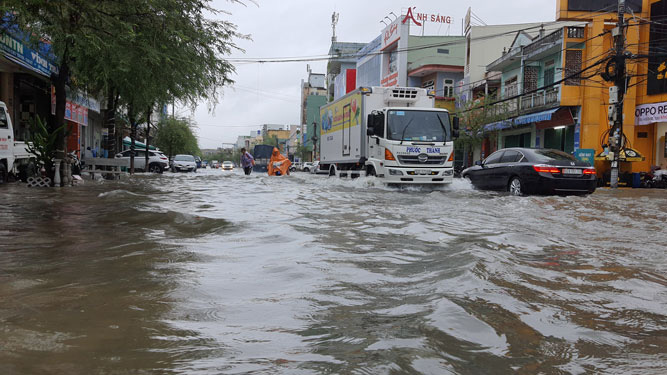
661, 145
84, 125
559, 133
651, 126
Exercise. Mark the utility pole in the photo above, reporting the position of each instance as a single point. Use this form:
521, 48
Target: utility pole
616, 94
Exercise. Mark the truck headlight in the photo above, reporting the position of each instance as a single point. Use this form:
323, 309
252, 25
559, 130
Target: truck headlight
448, 173
395, 172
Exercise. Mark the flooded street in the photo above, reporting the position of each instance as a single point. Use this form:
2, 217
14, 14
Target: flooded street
218, 273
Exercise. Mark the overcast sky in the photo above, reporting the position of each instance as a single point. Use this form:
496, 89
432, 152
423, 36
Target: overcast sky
270, 93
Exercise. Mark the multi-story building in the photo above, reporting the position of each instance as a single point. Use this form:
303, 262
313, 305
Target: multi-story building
555, 95
313, 96
530, 110
242, 141
341, 69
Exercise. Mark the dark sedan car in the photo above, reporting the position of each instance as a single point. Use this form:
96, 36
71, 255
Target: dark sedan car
533, 171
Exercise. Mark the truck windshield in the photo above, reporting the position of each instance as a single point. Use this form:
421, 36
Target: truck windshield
427, 126
3, 119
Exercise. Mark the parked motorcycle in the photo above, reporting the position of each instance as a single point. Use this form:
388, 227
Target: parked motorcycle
75, 163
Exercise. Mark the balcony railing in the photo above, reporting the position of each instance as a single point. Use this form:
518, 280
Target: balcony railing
535, 102
546, 98
543, 43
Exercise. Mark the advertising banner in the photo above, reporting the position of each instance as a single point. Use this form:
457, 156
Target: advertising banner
649, 113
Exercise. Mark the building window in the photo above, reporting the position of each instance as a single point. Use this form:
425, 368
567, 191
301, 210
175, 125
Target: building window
443, 50
448, 88
575, 32
573, 60
549, 73
511, 87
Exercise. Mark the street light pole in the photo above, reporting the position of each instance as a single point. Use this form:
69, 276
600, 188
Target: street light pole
314, 139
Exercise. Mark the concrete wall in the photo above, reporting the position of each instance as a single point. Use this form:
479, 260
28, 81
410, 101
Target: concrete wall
451, 53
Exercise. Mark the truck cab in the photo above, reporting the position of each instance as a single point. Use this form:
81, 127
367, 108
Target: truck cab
411, 145
11, 152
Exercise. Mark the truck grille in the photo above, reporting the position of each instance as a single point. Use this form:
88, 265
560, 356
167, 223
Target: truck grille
414, 159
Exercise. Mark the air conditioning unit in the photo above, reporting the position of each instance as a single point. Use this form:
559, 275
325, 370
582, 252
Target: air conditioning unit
401, 95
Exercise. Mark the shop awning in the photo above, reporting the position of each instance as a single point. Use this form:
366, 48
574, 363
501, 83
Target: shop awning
535, 117
127, 142
628, 155
498, 125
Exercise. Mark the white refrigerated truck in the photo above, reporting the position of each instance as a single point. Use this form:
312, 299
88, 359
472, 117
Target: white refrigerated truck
392, 133
12, 153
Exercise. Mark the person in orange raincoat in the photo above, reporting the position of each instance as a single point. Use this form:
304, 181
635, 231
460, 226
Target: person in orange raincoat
278, 164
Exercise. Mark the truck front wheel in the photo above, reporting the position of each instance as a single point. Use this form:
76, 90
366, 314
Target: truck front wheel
332, 171
3, 173
370, 171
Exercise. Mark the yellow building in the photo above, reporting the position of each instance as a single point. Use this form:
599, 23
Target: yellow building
645, 124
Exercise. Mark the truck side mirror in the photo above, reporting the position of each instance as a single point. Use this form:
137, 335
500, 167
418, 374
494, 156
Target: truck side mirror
455, 123
370, 131
455, 134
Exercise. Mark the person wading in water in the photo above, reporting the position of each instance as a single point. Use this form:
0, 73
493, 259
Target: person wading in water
247, 161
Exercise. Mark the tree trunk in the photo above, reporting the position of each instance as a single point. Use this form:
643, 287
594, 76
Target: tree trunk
133, 135
110, 124
148, 133
59, 83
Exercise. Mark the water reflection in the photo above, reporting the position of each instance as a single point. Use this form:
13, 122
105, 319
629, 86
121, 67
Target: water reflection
222, 273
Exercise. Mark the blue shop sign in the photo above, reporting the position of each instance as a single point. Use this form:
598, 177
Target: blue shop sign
15, 50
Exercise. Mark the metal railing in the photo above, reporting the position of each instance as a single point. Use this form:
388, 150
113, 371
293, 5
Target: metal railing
546, 98
540, 100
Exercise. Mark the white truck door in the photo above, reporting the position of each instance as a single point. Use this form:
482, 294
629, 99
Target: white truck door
6, 136
347, 114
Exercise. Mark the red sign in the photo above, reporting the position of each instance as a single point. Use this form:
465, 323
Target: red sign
425, 17
391, 30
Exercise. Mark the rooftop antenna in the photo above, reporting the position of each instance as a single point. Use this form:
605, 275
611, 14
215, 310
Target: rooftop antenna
334, 22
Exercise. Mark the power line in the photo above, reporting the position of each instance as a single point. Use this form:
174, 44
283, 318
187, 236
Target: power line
460, 41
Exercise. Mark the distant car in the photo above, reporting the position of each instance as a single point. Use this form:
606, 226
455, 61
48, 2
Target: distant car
215, 164
533, 171
307, 166
185, 163
227, 165
157, 161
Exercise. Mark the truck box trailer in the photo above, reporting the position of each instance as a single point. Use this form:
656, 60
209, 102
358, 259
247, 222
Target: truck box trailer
392, 133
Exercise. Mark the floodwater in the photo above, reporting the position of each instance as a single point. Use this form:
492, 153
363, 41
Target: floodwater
219, 273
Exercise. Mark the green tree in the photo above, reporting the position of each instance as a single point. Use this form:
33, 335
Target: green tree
136, 52
271, 140
474, 115
175, 136
302, 152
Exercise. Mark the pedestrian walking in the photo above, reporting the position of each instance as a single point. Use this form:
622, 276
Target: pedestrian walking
247, 161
